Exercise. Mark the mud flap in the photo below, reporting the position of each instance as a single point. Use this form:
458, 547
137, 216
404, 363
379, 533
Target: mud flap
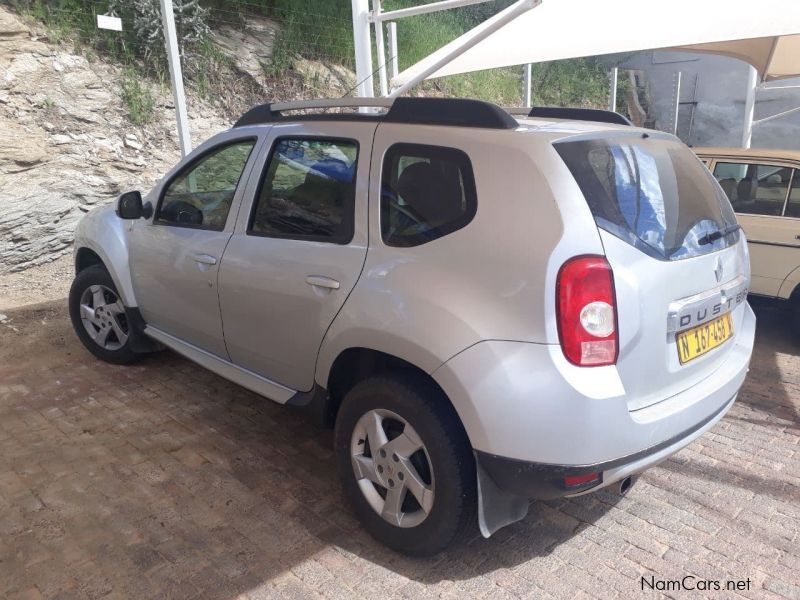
497, 508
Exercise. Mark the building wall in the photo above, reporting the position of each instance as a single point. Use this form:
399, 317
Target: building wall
712, 94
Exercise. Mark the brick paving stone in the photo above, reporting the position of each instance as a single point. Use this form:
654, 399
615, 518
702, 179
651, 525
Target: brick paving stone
163, 480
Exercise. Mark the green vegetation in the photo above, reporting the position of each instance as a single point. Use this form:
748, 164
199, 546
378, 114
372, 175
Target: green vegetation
319, 30
136, 97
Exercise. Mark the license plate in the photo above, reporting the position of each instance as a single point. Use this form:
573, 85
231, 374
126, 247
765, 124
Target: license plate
704, 338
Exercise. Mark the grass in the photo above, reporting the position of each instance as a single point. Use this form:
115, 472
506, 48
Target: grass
137, 97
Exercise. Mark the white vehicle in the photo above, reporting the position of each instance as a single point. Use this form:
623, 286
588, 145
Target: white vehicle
764, 189
488, 309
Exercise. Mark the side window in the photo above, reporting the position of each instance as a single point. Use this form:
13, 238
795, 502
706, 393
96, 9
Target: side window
793, 206
308, 191
201, 195
754, 189
426, 192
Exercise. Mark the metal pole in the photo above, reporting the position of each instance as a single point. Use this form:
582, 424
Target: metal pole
380, 48
363, 49
487, 28
394, 65
526, 85
176, 75
612, 98
749, 107
677, 103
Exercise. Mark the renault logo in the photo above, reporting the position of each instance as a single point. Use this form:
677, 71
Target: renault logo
718, 270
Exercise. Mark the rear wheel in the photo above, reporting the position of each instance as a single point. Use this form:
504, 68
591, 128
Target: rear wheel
405, 465
98, 316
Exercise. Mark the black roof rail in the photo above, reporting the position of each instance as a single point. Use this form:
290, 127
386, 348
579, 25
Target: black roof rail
579, 114
459, 112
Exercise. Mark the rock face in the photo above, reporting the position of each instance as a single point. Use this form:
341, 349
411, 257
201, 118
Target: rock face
66, 145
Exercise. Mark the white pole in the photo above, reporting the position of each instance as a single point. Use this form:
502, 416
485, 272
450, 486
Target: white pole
394, 64
363, 46
380, 48
677, 103
176, 75
749, 107
526, 85
612, 98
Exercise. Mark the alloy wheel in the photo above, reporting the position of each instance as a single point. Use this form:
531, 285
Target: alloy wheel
103, 317
392, 468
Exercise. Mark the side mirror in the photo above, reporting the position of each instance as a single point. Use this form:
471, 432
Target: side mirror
129, 206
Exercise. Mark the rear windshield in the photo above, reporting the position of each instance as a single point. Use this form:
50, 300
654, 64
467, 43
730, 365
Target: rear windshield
653, 193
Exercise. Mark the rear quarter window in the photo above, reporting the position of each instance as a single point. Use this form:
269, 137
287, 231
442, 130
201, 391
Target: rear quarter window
652, 192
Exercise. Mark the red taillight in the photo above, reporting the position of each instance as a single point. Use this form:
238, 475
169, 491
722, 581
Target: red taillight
587, 312
576, 480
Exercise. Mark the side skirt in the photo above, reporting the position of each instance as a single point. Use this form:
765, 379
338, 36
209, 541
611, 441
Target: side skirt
247, 379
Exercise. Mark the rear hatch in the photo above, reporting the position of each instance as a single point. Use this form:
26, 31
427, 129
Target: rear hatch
680, 263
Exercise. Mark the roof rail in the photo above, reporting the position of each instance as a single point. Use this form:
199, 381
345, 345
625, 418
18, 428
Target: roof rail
577, 114
421, 111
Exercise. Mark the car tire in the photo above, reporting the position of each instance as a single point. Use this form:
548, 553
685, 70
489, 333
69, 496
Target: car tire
411, 412
99, 317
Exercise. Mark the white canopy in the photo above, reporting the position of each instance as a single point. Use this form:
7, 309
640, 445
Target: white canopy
558, 29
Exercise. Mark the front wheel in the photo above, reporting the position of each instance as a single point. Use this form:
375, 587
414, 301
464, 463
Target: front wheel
405, 464
98, 316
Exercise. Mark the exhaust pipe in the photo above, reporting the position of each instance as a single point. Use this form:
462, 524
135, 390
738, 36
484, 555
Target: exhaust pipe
625, 485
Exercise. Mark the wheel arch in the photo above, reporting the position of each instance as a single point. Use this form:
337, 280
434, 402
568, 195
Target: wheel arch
355, 364
101, 238
790, 288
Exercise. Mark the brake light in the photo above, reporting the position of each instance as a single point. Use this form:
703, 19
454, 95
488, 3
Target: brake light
587, 312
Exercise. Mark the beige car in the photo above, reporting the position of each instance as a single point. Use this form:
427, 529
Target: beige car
764, 189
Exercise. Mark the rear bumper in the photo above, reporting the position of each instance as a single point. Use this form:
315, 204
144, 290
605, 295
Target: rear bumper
543, 481
525, 407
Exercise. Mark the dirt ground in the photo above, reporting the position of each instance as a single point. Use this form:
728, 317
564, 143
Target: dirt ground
37, 285
162, 480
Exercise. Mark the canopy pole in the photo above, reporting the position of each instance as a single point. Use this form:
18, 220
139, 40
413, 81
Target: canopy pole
380, 48
612, 97
486, 29
363, 49
749, 107
394, 64
677, 92
176, 75
526, 85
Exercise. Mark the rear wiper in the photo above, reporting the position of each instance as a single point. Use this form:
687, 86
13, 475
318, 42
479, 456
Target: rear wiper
712, 237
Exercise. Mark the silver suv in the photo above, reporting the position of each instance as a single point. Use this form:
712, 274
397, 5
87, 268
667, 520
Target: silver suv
487, 309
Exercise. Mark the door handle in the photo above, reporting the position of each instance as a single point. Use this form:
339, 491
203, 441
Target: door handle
205, 259
322, 281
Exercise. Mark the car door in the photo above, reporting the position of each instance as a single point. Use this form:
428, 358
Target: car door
175, 255
298, 249
758, 191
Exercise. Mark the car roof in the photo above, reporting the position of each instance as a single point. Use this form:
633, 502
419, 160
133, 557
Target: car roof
759, 153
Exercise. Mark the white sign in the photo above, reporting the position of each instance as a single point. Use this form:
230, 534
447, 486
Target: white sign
107, 22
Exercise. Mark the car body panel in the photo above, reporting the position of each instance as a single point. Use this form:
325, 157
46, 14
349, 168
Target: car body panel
274, 320
102, 232
426, 303
525, 401
178, 292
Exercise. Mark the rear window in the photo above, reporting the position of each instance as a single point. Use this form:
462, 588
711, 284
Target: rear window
653, 193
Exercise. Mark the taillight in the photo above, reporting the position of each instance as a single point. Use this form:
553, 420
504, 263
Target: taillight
587, 312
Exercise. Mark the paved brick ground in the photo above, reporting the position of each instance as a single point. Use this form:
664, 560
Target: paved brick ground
162, 480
